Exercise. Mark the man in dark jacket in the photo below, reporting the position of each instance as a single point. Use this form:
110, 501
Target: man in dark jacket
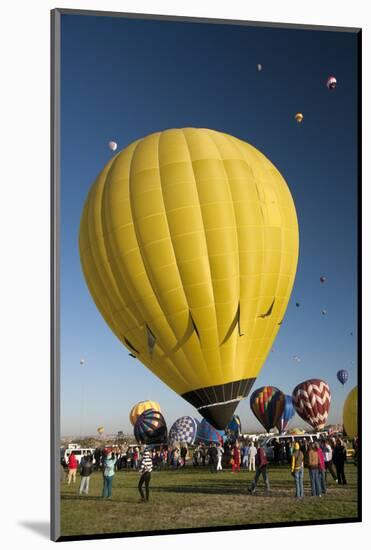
213, 457
86, 469
339, 458
261, 470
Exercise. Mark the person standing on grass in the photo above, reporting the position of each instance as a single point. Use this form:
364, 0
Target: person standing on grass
252, 456
261, 470
313, 465
108, 474
245, 455
213, 453
219, 455
183, 454
339, 459
72, 468
327, 453
236, 458
288, 451
86, 469
145, 469
321, 468
297, 470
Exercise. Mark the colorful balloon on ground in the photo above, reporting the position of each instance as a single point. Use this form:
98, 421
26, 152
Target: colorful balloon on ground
100, 430
112, 145
150, 428
140, 407
208, 434
312, 400
331, 83
184, 430
299, 117
267, 404
182, 250
342, 376
233, 428
350, 413
287, 415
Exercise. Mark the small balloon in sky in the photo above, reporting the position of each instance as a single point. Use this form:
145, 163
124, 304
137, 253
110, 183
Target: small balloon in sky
112, 145
322, 279
297, 358
299, 117
331, 82
259, 67
323, 312
82, 361
297, 304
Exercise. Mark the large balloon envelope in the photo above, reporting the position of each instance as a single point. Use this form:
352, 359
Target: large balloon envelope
189, 246
150, 428
208, 434
267, 404
184, 430
312, 400
342, 376
287, 415
233, 428
350, 413
140, 407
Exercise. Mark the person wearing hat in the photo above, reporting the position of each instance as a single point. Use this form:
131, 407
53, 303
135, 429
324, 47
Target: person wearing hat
297, 470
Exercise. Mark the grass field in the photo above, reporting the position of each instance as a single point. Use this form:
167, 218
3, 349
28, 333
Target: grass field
192, 498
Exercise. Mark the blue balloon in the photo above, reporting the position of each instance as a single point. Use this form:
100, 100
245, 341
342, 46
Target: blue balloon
342, 376
287, 415
233, 429
150, 428
184, 430
208, 434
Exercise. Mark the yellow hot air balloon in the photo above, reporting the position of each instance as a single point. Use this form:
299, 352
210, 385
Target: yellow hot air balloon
299, 117
100, 430
189, 246
350, 413
140, 407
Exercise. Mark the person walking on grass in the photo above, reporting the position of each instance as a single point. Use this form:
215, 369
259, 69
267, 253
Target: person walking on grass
86, 469
261, 470
245, 455
145, 470
313, 465
72, 468
219, 456
236, 458
339, 459
108, 474
297, 470
252, 456
321, 468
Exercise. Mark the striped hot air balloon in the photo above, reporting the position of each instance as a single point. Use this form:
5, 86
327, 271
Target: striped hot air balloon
208, 434
287, 415
140, 407
342, 376
150, 428
267, 404
312, 400
184, 430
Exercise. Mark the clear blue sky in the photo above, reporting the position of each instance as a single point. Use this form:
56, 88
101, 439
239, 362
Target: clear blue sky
124, 79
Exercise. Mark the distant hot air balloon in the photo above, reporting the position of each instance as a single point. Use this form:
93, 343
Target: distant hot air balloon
342, 376
287, 415
297, 304
322, 279
299, 117
350, 413
150, 428
323, 312
82, 361
140, 407
259, 67
100, 430
184, 430
267, 404
208, 434
233, 428
112, 145
331, 83
297, 358
312, 400
165, 249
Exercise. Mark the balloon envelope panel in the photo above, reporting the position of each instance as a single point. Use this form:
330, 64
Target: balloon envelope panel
208, 434
350, 413
150, 427
184, 430
267, 404
189, 246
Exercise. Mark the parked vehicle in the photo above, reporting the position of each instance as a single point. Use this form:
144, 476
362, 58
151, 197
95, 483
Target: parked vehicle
79, 452
268, 442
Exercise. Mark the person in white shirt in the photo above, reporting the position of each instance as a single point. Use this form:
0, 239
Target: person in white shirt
327, 455
220, 452
252, 455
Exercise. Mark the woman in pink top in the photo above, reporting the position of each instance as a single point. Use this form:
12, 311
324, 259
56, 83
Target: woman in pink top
321, 468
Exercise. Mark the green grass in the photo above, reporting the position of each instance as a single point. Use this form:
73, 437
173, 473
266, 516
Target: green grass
192, 498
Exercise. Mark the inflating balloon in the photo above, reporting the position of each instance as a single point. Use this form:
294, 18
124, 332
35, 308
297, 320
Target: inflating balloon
299, 117
140, 407
184, 430
350, 413
342, 376
312, 400
331, 83
267, 404
182, 248
112, 145
287, 415
208, 434
233, 428
150, 428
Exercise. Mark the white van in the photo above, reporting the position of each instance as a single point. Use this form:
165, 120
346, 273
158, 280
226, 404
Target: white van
78, 452
267, 443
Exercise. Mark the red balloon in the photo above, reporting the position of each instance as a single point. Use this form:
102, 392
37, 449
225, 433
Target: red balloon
312, 400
